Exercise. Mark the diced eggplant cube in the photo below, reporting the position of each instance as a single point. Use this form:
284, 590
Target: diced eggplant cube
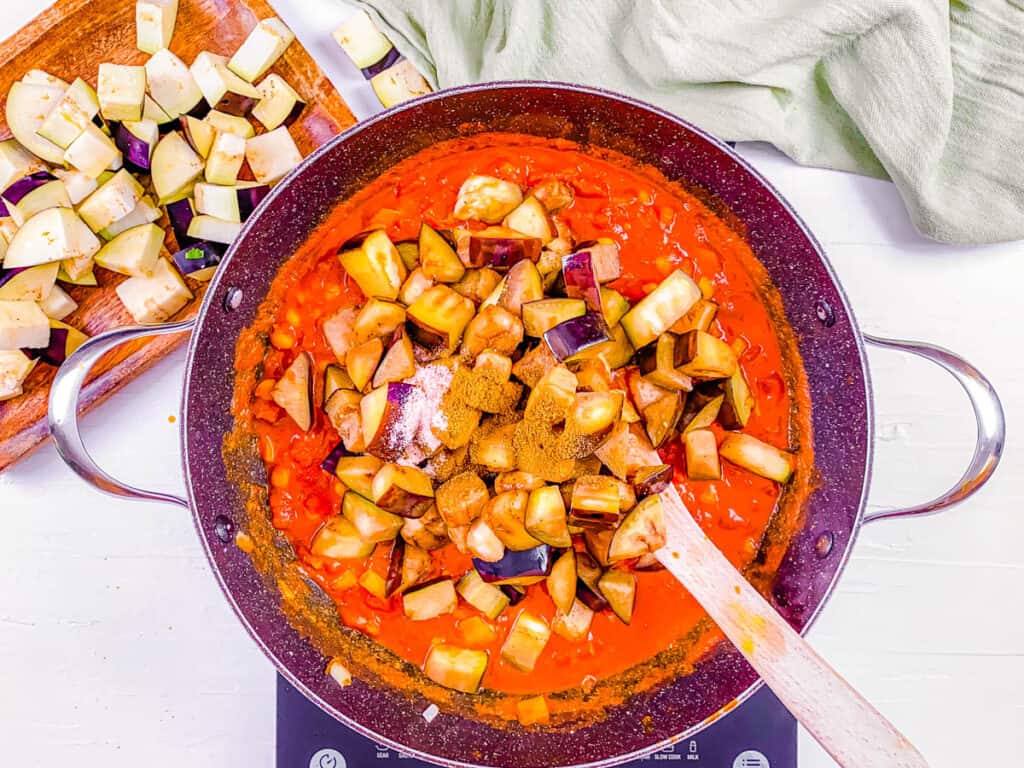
75, 110
137, 140
405, 491
399, 83
375, 266
595, 501
121, 90
573, 625
517, 567
430, 601
199, 261
272, 155
462, 499
265, 44
373, 523
757, 456
92, 152
227, 153
15, 366
360, 39
362, 361
398, 362
199, 134
546, 518
486, 598
704, 356
652, 315
487, 199
23, 325
338, 539
58, 304
16, 163
357, 473
225, 123
279, 103
561, 581
439, 317
737, 401
531, 218
56, 234
172, 84
651, 480
460, 669
157, 298
526, 641
215, 230
437, 258
222, 88
641, 532
134, 252
619, 588
111, 202
26, 109
154, 24
702, 455
175, 167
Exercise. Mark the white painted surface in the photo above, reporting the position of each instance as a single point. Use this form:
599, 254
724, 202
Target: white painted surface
117, 650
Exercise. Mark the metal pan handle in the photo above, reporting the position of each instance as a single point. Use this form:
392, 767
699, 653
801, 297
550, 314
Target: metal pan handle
988, 413
63, 411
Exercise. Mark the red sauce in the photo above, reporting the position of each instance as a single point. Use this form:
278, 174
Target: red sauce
659, 227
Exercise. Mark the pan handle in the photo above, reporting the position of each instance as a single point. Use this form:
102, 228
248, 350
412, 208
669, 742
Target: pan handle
988, 413
63, 412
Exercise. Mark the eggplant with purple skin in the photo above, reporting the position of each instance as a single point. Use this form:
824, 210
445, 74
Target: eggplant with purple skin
705, 356
517, 567
561, 581
384, 412
619, 589
136, 140
757, 456
338, 539
63, 341
575, 336
522, 285
330, 462
294, 391
390, 58
595, 502
489, 599
642, 532
581, 280
357, 472
430, 601
737, 401
393, 580
662, 416
181, 214
651, 480
604, 258
500, 248
23, 186
542, 315
199, 261
373, 523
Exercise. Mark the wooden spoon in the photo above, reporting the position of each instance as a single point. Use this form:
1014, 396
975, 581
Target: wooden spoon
853, 732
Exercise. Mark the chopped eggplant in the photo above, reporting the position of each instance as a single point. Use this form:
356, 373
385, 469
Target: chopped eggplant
58, 304
428, 532
398, 83
625, 451
114, 200
28, 283
361, 362
199, 261
379, 317
737, 401
653, 314
338, 539
545, 518
414, 286
339, 331
357, 473
344, 410
272, 155
757, 456
458, 668
52, 194
199, 134
174, 168
619, 588
651, 480
265, 44
144, 212
393, 580
404, 491
92, 153
23, 325
212, 229
492, 328
431, 601
181, 212
462, 499
156, 298
330, 462
595, 502
642, 531
701, 411
335, 378
120, 89
531, 218
704, 356
494, 450
27, 106
699, 318
231, 203
225, 123
483, 543
614, 306
487, 199
561, 581
580, 280
375, 266
534, 365
517, 567
522, 285
505, 513
15, 366
56, 234
134, 252
554, 194
63, 341
661, 418
224, 161
604, 256
525, 641
595, 413
279, 103
543, 315
373, 523
154, 24
76, 109
515, 481
359, 37
439, 317
500, 248
573, 625
437, 258
77, 184
577, 336
222, 88
171, 84
399, 361
702, 455
486, 598
660, 361
294, 391
477, 284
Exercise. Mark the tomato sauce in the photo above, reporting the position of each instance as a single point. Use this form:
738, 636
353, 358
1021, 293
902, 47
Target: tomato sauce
659, 227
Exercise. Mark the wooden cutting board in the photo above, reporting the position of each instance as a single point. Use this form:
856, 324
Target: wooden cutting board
69, 40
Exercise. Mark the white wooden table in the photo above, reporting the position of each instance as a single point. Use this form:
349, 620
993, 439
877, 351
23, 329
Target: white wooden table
117, 650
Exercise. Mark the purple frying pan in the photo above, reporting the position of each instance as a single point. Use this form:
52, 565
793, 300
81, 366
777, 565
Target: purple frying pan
829, 341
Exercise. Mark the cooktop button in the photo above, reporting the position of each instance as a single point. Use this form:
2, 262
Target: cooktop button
327, 758
751, 759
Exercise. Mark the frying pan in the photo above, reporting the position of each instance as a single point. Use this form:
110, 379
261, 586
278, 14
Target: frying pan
832, 348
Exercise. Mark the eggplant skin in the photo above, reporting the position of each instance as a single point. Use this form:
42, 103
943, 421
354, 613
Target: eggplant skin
534, 562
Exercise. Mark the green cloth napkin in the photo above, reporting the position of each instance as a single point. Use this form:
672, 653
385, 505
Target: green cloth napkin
929, 95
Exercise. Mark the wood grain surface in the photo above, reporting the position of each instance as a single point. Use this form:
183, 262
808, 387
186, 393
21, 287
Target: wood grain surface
69, 40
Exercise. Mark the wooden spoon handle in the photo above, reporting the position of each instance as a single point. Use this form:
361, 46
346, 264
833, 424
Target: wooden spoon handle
853, 732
